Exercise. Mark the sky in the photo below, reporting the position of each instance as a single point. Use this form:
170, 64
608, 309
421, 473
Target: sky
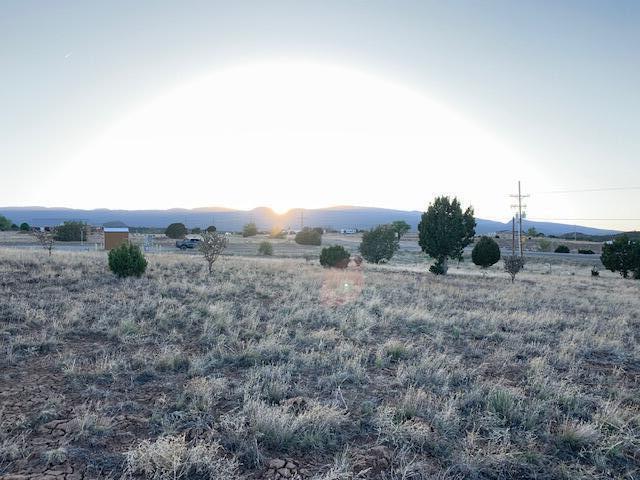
288, 104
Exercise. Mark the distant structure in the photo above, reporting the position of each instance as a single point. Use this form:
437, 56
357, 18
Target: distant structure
115, 234
348, 231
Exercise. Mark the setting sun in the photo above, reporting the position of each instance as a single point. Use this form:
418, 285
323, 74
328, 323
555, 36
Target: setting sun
292, 134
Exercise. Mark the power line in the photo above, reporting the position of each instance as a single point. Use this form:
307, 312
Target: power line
589, 219
519, 206
588, 190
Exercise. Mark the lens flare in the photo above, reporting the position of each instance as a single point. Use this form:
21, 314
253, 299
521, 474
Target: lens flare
341, 286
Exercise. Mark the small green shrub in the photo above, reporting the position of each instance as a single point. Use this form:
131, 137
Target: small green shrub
24, 227
562, 249
265, 248
545, 245
127, 260
308, 236
586, 251
335, 256
249, 230
486, 252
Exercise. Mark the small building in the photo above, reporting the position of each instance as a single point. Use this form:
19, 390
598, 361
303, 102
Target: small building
115, 234
348, 231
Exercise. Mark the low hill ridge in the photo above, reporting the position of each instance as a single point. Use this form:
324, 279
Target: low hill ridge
344, 216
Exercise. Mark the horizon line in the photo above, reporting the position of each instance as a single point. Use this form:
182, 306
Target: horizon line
219, 209
214, 208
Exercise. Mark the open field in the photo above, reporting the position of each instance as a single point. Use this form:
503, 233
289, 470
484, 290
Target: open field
409, 253
382, 372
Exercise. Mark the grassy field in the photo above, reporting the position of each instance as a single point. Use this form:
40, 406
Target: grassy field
285, 247
279, 368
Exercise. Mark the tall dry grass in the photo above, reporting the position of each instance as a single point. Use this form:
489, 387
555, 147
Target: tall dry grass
453, 377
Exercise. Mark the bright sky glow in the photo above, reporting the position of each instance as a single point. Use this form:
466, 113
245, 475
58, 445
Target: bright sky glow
293, 134
163, 104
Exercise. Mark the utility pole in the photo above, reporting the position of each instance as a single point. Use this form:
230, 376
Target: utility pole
519, 206
513, 236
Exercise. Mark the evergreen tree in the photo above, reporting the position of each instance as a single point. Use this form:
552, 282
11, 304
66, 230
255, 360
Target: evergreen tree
70, 231
308, 236
379, 244
400, 227
444, 230
622, 255
176, 230
5, 223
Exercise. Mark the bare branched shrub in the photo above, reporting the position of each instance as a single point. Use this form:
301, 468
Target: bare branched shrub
46, 239
211, 246
173, 458
512, 265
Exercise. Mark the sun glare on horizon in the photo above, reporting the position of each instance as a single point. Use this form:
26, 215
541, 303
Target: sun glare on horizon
291, 135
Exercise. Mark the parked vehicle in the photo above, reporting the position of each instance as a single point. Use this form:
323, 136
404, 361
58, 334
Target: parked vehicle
187, 243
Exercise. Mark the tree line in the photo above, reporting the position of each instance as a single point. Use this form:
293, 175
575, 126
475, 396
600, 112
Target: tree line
444, 231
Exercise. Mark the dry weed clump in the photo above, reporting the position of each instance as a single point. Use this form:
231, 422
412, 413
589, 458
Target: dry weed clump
182, 374
279, 427
173, 458
202, 393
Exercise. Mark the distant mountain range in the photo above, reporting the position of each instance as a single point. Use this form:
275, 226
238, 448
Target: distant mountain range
233, 220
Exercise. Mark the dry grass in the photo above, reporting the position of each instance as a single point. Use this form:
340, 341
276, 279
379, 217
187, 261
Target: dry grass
180, 373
